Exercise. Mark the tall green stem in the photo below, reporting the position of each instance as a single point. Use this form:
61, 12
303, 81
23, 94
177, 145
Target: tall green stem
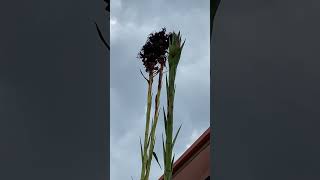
146, 134
169, 135
175, 49
153, 55
155, 121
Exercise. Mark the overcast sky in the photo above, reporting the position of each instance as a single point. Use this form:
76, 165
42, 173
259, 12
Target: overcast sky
131, 22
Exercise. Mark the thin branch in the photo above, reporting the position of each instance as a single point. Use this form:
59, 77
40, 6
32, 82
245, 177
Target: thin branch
144, 76
101, 36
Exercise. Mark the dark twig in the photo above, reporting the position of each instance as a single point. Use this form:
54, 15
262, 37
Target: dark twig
144, 76
101, 36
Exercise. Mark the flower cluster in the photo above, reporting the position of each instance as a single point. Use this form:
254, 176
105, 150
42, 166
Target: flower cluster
154, 52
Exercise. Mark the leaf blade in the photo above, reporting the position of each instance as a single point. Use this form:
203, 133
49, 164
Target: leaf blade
164, 150
165, 120
156, 158
172, 162
175, 137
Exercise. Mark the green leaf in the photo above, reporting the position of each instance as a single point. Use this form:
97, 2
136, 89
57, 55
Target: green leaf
175, 137
156, 157
183, 44
164, 150
165, 120
172, 162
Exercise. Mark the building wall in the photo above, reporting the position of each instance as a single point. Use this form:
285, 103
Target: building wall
197, 167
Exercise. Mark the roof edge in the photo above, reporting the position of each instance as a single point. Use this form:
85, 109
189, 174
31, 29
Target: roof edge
193, 149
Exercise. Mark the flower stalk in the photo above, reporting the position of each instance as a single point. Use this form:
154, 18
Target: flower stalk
175, 49
155, 120
144, 155
153, 55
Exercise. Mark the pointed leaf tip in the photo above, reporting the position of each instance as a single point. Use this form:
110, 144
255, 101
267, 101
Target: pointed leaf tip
175, 137
172, 162
156, 157
164, 150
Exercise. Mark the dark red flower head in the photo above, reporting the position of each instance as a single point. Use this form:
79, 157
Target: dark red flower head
154, 52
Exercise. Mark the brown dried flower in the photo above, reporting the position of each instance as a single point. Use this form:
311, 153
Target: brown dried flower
154, 52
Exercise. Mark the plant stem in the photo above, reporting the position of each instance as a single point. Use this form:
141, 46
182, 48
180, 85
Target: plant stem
169, 135
155, 121
146, 135
175, 49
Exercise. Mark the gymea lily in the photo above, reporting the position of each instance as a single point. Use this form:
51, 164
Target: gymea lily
175, 49
153, 55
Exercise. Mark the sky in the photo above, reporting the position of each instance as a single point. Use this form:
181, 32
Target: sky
131, 23
266, 90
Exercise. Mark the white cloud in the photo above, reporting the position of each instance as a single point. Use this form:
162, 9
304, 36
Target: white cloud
113, 21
